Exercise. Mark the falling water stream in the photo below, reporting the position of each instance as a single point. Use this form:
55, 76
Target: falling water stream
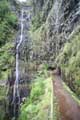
16, 94
57, 11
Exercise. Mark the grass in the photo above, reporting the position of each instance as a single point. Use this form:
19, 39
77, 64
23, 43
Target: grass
41, 104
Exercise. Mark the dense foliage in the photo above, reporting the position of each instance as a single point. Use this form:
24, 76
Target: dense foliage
38, 105
8, 26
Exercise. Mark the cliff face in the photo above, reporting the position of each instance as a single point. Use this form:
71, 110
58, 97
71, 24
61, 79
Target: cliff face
53, 25
58, 18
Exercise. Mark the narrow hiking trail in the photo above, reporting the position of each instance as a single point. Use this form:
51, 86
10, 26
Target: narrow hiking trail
68, 108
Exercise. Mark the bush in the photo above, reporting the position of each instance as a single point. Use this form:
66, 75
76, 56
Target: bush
8, 25
4, 8
12, 19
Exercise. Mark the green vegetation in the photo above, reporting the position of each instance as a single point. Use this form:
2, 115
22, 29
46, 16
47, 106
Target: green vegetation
38, 37
8, 26
38, 105
36, 21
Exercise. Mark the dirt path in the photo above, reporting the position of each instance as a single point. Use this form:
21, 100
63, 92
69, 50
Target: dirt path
69, 109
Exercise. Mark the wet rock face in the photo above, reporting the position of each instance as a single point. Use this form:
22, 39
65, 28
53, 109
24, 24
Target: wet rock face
67, 15
71, 13
62, 17
37, 4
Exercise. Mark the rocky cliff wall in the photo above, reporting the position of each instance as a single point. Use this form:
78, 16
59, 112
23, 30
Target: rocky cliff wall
55, 33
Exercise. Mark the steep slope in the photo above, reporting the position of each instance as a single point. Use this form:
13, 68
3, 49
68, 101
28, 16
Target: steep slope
54, 23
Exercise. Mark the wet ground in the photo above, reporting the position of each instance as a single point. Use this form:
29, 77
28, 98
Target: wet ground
68, 107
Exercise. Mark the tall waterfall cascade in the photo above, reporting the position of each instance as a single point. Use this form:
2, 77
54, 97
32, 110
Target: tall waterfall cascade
16, 94
22, 43
57, 16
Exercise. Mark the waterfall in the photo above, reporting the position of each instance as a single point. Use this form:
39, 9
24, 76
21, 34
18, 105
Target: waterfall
57, 14
57, 11
16, 94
